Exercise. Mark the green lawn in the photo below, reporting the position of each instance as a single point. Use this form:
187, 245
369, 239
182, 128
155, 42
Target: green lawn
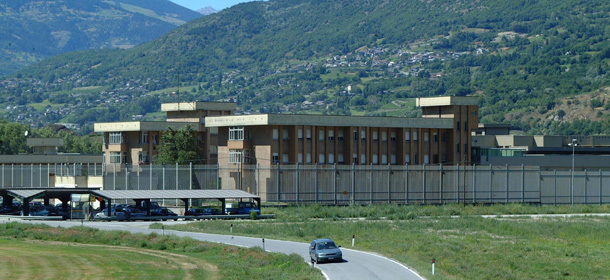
465, 247
42, 252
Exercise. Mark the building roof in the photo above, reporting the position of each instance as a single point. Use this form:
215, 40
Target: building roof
322, 120
198, 106
45, 142
447, 101
173, 194
142, 126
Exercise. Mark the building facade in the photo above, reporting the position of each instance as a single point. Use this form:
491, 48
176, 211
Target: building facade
135, 143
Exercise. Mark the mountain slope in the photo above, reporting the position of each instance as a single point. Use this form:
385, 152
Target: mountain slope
35, 29
365, 57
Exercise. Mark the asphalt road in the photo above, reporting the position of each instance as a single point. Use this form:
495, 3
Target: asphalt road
356, 264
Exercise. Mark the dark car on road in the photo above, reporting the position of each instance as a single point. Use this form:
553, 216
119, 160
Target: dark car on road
203, 212
324, 250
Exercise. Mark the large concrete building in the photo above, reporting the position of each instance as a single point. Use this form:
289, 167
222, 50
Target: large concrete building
441, 136
136, 142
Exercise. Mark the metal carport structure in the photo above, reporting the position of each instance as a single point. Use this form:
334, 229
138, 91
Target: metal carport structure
29, 194
140, 196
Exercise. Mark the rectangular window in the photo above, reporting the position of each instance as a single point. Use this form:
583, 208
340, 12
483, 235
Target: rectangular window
275, 158
308, 133
143, 157
426, 137
416, 158
414, 135
375, 136
443, 158
156, 139
116, 157
435, 137
355, 135
444, 137
276, 134
340, 135
321, 158
355, 158
384, 136
393, 159
285, 135
300, 159
285, 158
407, 158
393, 136
457, 126
236, 133
465, 126
331, 135
362, 159
308, 157
331, 158
340, 158
144, 137
375, 159
300, 133
384, 159
321, 135
426, 159
235, 156
115, 138
363, 135
457, 147
407, 136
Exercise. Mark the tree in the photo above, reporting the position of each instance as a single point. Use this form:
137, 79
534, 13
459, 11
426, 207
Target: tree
178, 146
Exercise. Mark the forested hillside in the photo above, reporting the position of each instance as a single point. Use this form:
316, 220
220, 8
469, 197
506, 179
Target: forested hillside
31, 30
539, 65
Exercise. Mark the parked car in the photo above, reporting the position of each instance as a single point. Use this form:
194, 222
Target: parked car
203, 212
241, 208
322, 250
133, 212
37, 209
164, 212
14, 209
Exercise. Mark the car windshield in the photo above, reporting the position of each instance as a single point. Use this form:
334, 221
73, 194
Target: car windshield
327, 245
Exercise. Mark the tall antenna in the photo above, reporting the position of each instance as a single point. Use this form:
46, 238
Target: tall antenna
178, 91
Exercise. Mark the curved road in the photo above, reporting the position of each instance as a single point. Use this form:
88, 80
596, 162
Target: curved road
356, 264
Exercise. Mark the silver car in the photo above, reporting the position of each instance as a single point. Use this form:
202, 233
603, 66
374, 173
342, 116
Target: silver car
322, 250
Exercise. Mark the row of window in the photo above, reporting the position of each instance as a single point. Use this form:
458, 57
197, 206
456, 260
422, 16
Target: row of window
375, 160
117, 138
375, 135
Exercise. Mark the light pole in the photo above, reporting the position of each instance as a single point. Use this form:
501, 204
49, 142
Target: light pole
573, 144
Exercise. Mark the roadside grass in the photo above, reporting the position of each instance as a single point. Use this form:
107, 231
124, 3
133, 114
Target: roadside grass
82, 252
465, 245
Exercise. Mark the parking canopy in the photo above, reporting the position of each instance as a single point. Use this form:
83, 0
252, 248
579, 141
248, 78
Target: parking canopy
174, 194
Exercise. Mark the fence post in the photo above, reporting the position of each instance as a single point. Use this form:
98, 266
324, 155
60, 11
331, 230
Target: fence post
440, 184
218, 182
177, 183
371, 184
138, 172
3, 185
491, 185
32, 176
555, 186
600, 186
522, 183
278, 182
258, 176
389, 184
474, 183
113, 177
507, 173
150, 177
353, 183
406, 184
457, 183
335, 184
12, 175
190, 175
297, 183
585, 190
163, 183
126, 176
423, 183
316, 183
22, 185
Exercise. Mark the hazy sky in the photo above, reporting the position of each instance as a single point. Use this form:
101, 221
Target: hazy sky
216, 4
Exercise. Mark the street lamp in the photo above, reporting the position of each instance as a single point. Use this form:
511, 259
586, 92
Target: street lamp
573, 144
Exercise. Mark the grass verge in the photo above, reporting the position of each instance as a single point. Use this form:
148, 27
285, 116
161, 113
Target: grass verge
466, 247
85, 253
